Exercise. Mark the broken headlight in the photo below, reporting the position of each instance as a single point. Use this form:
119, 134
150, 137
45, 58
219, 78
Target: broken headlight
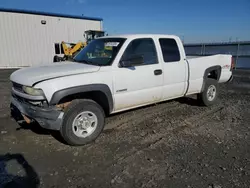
32, 91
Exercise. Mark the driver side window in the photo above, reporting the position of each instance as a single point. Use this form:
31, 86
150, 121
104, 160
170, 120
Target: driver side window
142, 47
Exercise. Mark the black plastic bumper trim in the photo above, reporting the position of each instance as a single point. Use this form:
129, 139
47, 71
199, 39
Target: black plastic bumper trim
48, 118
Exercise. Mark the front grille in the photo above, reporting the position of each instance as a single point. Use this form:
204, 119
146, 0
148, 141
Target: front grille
17, 86
33, 103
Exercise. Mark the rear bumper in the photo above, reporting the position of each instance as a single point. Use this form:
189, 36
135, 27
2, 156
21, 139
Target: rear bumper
48, 118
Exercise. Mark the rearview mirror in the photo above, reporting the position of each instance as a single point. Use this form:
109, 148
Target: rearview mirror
132, 61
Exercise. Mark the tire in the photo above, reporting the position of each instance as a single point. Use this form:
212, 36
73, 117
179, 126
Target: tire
56, 59
73, 130
206, 98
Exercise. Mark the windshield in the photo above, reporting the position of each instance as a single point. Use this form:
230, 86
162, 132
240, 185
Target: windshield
100, 52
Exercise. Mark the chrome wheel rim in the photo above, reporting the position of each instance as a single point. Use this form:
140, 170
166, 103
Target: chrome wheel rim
84, 124
211, 93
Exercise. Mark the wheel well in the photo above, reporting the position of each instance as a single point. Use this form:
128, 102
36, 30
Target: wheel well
97, 96
214, 74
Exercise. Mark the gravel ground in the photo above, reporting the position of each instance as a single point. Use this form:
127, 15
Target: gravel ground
172, 144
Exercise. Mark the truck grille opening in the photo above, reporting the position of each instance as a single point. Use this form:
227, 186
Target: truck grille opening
17, 86
33, 103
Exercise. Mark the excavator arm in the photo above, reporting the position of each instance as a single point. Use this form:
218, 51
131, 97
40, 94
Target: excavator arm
76, 48
66, 49
69, 51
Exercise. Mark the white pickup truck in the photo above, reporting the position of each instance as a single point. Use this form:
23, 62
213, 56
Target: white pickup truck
114, 74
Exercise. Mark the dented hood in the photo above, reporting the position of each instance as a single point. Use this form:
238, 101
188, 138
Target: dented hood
31, 75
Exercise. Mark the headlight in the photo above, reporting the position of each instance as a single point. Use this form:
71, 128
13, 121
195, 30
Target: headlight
32, 91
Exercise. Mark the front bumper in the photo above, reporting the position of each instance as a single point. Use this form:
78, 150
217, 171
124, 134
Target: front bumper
48, 118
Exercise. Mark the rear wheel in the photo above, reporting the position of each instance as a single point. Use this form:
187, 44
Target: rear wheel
83, 122
210, 93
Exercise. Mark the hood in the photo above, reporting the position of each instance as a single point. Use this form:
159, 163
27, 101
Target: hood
31, 75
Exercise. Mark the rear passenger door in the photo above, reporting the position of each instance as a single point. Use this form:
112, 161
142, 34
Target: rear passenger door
142, 84
174, 68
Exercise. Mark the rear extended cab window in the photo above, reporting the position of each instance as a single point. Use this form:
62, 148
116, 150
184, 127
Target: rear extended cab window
170, 50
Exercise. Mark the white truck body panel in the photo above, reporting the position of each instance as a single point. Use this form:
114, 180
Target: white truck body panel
139, 83
52, 85
175, 74
130, 87
198, 66
55, 70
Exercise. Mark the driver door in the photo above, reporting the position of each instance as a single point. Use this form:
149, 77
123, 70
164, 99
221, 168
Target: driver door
142, 84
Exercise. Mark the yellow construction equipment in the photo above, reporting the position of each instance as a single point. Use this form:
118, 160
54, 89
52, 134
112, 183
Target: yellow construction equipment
70, 49
93, 34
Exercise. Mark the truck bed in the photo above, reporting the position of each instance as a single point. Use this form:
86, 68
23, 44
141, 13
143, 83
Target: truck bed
199, 64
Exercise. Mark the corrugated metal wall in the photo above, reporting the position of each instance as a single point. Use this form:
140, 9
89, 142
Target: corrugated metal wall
27, 42
239, 50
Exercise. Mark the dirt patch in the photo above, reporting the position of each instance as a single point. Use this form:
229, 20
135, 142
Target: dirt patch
171, 144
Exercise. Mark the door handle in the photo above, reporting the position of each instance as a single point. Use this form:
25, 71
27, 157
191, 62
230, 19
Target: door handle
158, 72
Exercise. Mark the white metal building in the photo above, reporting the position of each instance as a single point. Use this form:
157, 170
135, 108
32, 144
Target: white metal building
29, 37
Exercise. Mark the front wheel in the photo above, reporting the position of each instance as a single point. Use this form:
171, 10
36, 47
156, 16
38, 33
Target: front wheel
209, 95
83, 122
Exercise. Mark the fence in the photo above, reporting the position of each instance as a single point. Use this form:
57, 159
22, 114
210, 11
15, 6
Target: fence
240, 51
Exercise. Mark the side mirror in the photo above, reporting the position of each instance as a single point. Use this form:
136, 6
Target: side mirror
132, 61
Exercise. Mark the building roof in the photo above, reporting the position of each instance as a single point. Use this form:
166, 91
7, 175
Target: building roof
49, 14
